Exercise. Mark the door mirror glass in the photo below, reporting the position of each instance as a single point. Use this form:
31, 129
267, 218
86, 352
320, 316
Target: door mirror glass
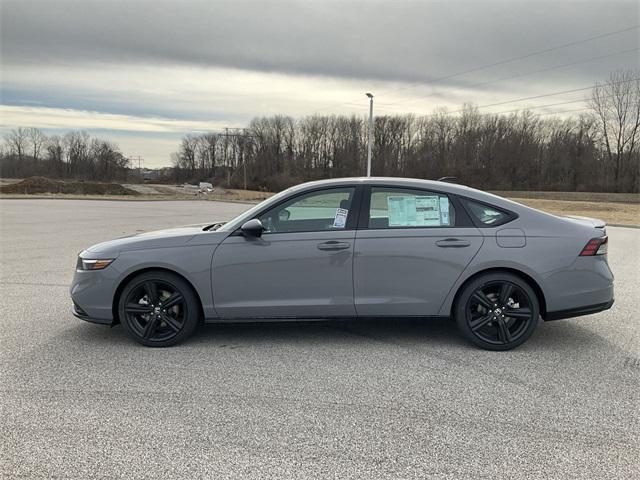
252, 228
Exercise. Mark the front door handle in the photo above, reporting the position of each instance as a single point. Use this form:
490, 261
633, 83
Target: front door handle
453, 243
333, 245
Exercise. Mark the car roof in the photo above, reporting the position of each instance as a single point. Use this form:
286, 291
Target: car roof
391, 181
401, 182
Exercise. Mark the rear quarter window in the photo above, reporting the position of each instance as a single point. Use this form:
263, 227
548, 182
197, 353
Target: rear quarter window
486, 215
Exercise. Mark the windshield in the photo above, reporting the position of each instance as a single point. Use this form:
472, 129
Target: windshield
251, 213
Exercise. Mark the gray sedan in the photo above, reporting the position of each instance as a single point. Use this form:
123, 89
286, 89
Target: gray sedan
354, 247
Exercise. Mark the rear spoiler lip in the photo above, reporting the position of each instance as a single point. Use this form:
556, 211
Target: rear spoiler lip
594, 222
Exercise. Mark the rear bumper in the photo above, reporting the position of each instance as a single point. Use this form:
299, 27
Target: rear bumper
582, 289
577, 312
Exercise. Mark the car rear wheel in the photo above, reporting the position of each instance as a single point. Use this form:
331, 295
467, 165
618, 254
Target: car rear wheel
497, 311
158, 309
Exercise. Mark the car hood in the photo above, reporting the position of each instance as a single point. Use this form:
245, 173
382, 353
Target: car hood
170, 237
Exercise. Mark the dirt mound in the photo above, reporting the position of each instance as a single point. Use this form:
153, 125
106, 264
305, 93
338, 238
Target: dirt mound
35, 185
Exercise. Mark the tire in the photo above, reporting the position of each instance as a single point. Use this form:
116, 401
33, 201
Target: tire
497, 311
152, 323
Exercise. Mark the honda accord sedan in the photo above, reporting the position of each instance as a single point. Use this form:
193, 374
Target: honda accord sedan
354, 247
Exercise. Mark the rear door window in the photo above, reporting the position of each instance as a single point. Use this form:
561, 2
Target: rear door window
409, 208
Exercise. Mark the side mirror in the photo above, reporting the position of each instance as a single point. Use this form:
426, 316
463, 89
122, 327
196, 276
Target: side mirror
252, 228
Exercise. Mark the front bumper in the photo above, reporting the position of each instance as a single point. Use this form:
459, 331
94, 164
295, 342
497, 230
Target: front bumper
92, 293
78, 312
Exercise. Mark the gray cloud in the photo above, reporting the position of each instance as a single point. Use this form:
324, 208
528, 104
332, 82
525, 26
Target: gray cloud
403, 41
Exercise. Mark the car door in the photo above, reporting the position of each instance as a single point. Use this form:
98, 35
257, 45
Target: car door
411, 246
301, 266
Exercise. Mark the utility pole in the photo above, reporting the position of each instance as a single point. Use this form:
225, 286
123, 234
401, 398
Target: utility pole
140, 163
370, 133
244, 160
226, 162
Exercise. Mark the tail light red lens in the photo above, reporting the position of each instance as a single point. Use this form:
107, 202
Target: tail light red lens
595, 246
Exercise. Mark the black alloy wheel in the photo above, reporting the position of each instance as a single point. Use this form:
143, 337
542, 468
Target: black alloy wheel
158, 309
497, 311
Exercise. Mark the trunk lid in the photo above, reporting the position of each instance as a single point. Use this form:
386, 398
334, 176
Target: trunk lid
592, 222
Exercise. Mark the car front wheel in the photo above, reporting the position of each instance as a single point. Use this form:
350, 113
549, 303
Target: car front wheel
158, 309
497, 311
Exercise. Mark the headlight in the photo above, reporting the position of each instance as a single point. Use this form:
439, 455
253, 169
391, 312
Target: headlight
91, 264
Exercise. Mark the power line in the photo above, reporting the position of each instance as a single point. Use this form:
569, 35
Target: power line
554, 67
562, 111
529, 55
536, 97
498, 63
541, 106
569, 111
542, 96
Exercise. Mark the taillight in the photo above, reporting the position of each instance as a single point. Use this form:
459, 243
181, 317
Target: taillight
595, 246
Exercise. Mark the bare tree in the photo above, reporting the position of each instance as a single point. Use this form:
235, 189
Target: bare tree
79, 162
517, 151
37, 140
55, 154
17, 141
616, 105
28, 152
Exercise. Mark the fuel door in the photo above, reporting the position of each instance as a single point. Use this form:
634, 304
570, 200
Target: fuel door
511, 238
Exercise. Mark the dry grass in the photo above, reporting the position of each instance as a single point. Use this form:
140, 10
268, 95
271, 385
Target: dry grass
250, 195
574, 196
610, 212
42, 185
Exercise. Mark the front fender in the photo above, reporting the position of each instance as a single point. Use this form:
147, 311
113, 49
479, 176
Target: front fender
191, 262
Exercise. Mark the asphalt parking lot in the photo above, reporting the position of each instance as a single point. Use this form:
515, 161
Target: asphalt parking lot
384, 399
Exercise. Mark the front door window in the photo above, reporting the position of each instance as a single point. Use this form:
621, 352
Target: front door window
320, 211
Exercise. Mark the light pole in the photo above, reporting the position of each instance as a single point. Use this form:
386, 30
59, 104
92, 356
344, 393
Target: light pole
370, 133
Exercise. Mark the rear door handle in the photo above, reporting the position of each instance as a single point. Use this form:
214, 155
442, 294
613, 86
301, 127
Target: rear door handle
333, 245
453, 243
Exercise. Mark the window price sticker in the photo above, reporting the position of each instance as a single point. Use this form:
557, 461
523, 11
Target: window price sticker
418, 211
340, 220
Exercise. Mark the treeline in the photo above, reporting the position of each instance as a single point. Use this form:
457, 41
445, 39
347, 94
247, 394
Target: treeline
28, 152
597, 151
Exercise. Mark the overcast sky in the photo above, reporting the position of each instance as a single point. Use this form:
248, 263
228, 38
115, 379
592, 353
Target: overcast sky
143, 73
